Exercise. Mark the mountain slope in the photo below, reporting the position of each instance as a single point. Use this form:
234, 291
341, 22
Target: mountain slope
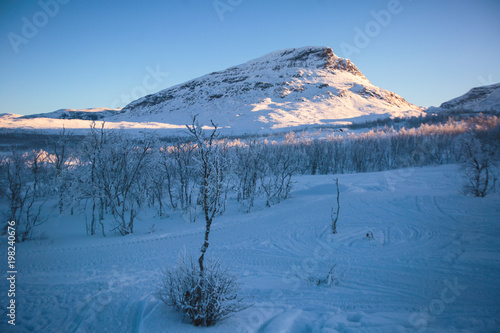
479, 99
287, 88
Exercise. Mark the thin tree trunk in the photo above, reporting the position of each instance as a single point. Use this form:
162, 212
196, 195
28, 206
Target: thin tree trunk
335, 214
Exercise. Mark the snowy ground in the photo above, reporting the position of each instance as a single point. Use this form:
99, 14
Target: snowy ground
433, 265
14, 123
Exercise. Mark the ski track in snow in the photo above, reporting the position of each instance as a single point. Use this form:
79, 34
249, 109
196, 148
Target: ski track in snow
425, 233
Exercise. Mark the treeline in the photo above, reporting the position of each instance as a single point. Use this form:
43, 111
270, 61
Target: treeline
111, 175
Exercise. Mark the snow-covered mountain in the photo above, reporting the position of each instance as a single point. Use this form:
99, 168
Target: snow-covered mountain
83, 114
287, 88
283, 90
479, 99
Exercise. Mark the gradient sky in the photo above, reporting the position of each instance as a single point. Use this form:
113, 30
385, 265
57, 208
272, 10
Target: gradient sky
100, 53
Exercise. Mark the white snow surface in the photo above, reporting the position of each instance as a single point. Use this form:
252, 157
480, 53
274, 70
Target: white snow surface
11, 121
433, 265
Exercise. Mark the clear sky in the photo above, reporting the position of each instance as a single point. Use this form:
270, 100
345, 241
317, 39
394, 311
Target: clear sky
90, 53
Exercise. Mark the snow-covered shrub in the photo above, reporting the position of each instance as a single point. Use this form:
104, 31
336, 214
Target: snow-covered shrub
204, 298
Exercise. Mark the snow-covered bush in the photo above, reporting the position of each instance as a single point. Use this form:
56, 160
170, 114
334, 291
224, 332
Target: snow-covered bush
204, 298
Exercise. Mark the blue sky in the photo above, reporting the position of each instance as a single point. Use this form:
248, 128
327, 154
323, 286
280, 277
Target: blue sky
81, 54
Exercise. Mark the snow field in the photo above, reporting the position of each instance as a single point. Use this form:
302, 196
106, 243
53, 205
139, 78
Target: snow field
433, 265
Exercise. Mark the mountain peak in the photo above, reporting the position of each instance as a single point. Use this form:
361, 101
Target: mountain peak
309, 57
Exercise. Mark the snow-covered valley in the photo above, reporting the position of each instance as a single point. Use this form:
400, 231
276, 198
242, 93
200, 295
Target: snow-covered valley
412, 252
433, 264
233, 166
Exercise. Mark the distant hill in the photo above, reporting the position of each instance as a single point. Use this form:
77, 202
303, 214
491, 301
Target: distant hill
479, 99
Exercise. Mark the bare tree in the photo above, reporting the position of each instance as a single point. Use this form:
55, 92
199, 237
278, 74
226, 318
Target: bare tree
170, 171
24, 186
156, 178
477, 166
15, 185
59, 159
279, 165
210, 169
204, 294
248, 170
334, 214
119, 172
111, 177
90, 186
183, 154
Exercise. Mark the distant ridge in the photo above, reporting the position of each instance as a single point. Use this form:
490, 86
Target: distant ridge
479, 99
